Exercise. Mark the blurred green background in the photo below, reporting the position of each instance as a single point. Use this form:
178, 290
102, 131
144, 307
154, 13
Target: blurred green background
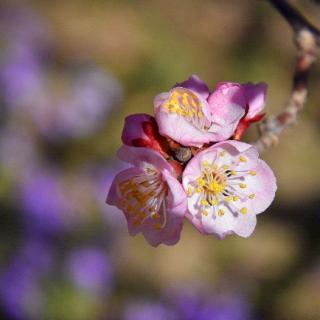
138, 49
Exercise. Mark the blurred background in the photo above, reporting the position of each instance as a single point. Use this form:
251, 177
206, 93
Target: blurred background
70, 71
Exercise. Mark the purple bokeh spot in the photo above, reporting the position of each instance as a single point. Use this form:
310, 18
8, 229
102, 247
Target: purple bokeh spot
44, 202
90, 269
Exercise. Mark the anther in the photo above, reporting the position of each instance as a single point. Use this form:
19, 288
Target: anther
243, 210
205, 212
204, 202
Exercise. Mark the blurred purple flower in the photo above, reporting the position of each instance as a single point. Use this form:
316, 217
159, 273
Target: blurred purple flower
44, 203
74, 105
90, 269
81, 108
193, 305
20, 288
21, 24
18, 151
24, 46
21, 81
147, 310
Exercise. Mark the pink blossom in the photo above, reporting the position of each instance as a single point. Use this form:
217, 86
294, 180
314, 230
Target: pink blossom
247, 98
141, 130
227, 185
184, 114
150, 196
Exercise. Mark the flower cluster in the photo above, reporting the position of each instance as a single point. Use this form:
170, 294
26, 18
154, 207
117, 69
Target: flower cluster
188, 162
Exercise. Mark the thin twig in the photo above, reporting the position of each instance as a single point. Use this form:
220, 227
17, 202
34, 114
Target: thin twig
306, 38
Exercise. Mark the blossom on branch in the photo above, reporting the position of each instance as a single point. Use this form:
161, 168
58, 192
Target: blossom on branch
187, 163
150, 196
227, 185
190, 115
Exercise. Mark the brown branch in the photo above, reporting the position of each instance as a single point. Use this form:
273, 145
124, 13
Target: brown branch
306, 38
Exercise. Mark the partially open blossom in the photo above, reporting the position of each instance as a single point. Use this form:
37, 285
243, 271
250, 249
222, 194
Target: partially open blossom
141, 130
150, 196
227, 185
250, 97
184, 114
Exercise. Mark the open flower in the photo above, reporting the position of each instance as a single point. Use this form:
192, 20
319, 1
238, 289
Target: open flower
250, 97
227, 185
183, 114
150, 196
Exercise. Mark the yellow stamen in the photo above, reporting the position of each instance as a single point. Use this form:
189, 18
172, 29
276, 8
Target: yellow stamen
214, 202
252, 196
205, 212
242, 185
201, 182
243, 210
253, 173
155, 215
220, 212
204, 202
216, 187
206, 163
189, 192
235, 198
243, 159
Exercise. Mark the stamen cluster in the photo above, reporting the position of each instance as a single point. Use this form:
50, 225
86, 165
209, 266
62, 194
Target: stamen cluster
188, 162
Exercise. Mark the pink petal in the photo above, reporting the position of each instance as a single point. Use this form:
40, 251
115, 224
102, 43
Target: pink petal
177, 196
236, 148
177, 127
263, 185
174, 126
227, 106
138, 156
195, 84
245, 224
255, 95
133, 128
114, 196
170, 235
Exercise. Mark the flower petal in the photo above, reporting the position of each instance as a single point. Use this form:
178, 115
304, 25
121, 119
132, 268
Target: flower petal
176, 195
195, 84
227, 104
133, 128
263, 186
177, 128
114, 195
255, 95
139, 156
